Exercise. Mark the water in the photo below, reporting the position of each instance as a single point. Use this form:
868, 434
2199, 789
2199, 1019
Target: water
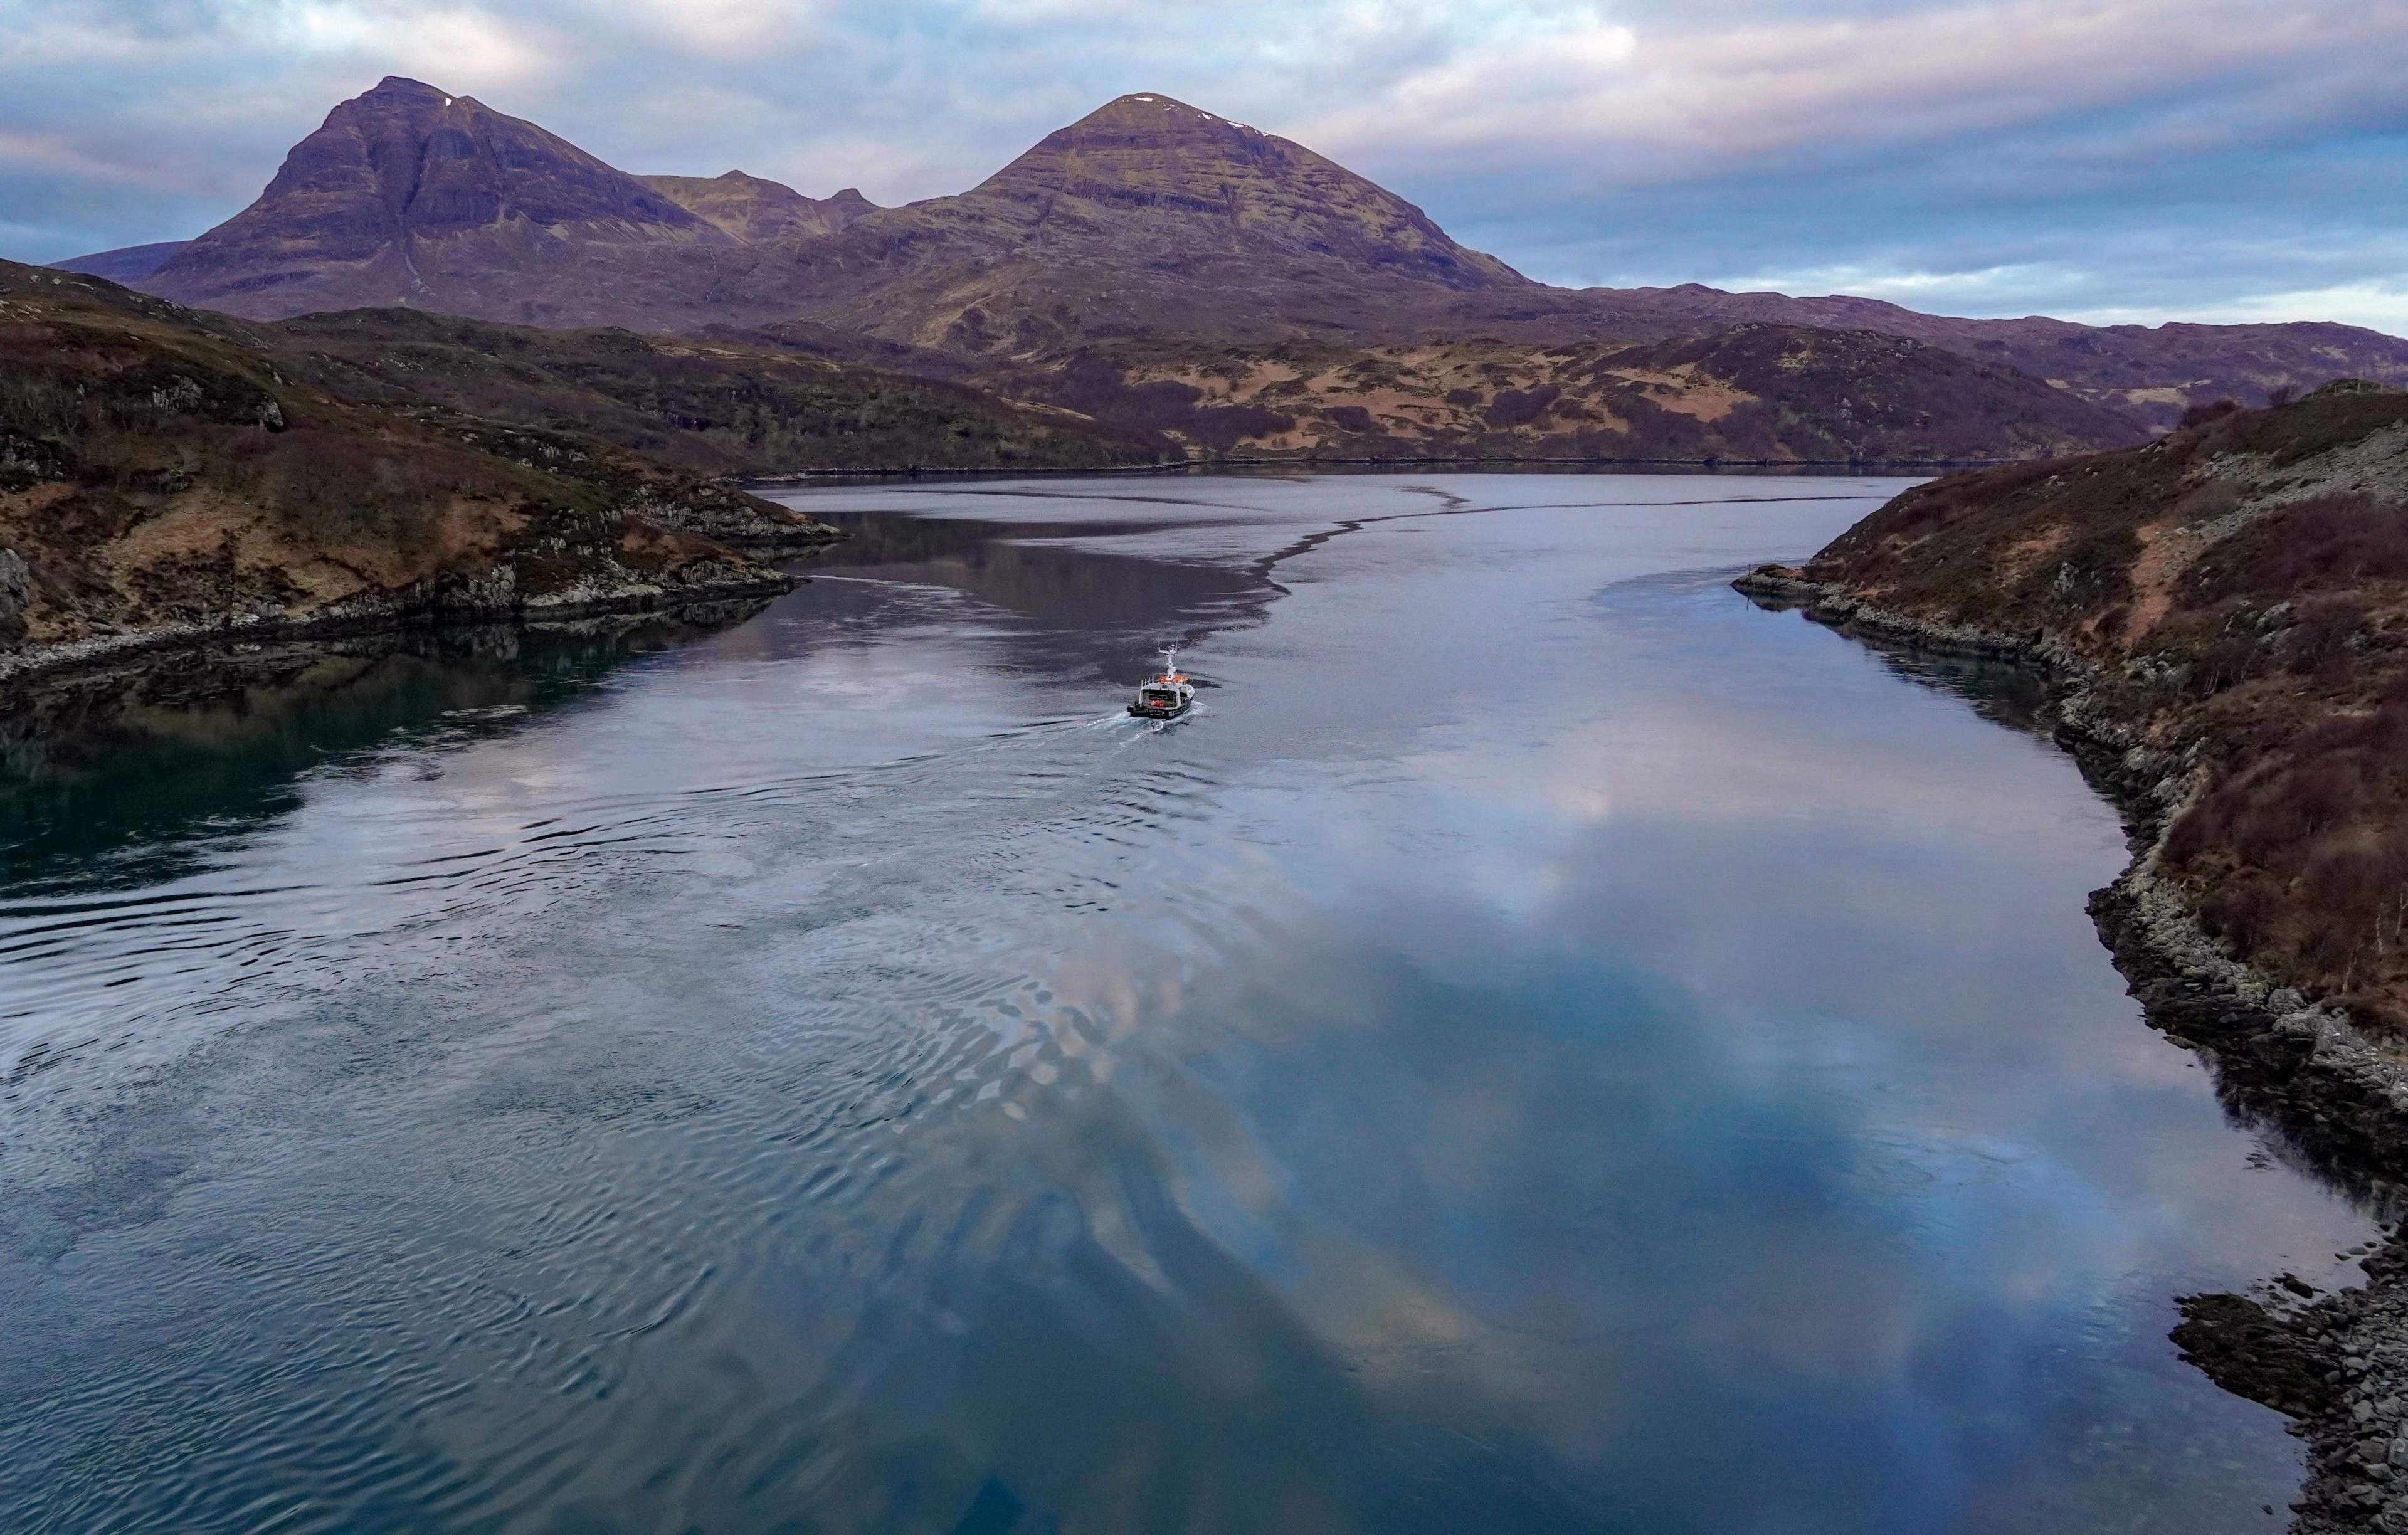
1547, 1046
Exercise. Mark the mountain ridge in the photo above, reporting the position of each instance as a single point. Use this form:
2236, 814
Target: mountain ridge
753, 209
126, 263
1146, 224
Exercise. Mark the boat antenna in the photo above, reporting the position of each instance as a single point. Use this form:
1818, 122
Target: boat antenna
1170, 661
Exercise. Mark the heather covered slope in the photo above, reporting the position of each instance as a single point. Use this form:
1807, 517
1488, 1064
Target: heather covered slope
1771, 394
2236, 597
748, 404
162, 475
719, 406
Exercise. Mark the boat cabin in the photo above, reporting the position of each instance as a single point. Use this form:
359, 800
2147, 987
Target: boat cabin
1167, 695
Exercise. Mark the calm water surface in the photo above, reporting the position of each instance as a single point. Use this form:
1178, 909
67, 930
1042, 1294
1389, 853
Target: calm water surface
1547, 1047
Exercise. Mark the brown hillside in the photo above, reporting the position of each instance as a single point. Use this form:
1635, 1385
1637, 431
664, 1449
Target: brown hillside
2150, 374
162, 476
1148, 217
2236, 597
717, 406
1755, 392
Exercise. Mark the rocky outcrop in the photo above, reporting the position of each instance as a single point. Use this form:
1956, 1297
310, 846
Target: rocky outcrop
16, 587
2339, 1366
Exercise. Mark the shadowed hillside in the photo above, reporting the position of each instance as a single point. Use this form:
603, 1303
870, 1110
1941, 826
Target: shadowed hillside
162, 475
716, 405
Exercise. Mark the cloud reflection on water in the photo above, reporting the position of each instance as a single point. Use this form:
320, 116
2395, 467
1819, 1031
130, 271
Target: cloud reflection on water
1553, 1047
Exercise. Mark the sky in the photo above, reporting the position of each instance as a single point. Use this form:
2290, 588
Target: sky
2100, 160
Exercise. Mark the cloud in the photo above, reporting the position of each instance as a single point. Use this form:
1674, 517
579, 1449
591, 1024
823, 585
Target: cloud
2192, 76
2143, 157
60, 157
2377, 305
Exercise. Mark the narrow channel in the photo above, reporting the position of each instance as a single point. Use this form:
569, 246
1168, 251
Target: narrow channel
1545, 1045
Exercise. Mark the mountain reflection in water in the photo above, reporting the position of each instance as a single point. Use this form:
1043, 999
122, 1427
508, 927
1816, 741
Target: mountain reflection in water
1553, 1047
111, 776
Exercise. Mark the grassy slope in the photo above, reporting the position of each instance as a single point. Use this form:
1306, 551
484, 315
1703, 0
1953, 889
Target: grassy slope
2241, 591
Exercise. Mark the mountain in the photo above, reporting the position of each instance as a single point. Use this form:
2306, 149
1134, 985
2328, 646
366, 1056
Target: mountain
410, 195
755, 211
1150, 236
127, 263
163, 477
1146, 218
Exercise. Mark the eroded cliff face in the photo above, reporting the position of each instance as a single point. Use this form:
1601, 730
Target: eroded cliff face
160, 478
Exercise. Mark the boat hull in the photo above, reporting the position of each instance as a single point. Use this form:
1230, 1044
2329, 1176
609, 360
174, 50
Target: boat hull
1159, 712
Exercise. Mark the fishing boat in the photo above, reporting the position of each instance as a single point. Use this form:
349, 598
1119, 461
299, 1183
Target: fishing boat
1167, 695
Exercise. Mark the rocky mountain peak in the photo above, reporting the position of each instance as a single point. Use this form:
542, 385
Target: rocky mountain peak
1149, 112
1163, 173
396, 182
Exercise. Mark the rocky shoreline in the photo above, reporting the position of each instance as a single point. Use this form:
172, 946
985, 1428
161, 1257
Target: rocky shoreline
446, 604
2336, 1365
